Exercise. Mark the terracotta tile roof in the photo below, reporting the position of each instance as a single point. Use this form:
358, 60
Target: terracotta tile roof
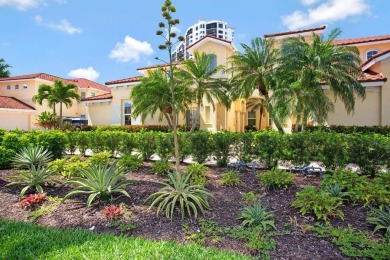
13, 103
126, 80
159, 65
372, 76
98, 97
294, 32
361, 40
79, 82
375, 57
208, 36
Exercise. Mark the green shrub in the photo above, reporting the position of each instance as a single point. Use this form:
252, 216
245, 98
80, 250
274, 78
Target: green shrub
257, 215
99, 181
128, 143
347, 179
334, 149
72, 141
130, 162
200, 145
312, 200
32, 155
198, 174
161, 167
342, 129
97, 141
301, 149
383, 179
275, 178
58, 166
230, 178
35, 177
6, 156
165, 148
270, 146
244, 147
371, 194
250, 198
184, 144
336, 190
68, 167
222, 142
54, 141
146, 143
100, 158
381, 220
2, 133
11, 140
178, 193
82, 141
113, 141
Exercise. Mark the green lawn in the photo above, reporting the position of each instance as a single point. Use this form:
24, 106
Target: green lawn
19, 240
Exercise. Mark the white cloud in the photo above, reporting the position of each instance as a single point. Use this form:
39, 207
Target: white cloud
130, 50
63, 26
327, 11
21, 5
309, 2
89, 73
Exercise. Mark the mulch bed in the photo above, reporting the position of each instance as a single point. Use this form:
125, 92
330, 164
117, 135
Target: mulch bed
225, 208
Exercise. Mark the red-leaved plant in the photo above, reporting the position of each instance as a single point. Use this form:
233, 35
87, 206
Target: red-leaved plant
112, 212
32, 199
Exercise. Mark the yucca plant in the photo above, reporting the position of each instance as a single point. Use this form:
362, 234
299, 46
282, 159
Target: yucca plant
257, 215
99, 181
178, 193
36, 177
32, 155
381, 220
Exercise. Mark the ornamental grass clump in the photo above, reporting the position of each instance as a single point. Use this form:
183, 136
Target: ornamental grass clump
179, 194
99, 181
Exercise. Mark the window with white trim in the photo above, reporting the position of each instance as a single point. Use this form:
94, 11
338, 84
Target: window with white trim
371, 53
252, 118
126, 113
16, 87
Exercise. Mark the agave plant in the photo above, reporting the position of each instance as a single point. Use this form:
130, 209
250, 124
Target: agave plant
36, 177
178, 193
32, 155
257, 215
99, 181
381, 220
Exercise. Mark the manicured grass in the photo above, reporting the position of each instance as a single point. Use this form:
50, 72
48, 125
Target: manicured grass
20, 240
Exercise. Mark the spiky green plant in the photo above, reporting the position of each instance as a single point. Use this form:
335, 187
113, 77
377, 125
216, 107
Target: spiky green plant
178, 193
336, 190
257, 215
32, 155
36, 177
99, 181
381, 220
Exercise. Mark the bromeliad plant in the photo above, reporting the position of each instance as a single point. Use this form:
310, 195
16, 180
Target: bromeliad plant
178, 193
257, 215
32, 199
36, 177
32, 155
381, 220
100, 181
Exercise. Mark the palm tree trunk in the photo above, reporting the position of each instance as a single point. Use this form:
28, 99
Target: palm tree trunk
196, 120
297, 123
261, 115
60, 115
264, 92
169, 120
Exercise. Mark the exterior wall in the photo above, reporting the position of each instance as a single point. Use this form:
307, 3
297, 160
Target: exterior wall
99, 113
363, 49
11, 120
367, 112
385, 104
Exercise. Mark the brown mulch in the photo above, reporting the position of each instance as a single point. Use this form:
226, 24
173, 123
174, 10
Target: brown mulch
225, 208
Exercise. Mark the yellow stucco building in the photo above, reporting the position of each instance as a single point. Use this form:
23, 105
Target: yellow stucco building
17, 109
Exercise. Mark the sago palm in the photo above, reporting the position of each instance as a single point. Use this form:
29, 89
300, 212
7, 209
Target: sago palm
201, 74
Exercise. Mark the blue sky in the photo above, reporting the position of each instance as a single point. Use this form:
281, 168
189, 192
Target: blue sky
108, 40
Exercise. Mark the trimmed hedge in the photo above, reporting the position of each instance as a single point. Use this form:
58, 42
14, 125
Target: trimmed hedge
333, 149
341, 129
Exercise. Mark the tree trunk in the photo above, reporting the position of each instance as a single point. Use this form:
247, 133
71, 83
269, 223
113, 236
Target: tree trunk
60, 115
297, 123
264, 92
169, 120
261, 116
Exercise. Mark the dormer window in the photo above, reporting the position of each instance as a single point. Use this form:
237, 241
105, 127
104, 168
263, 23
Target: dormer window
371, 53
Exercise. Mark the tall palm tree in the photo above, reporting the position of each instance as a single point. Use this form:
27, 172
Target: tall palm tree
153, 94
253, 69
45, 93
305, 67
200, 73
4, 72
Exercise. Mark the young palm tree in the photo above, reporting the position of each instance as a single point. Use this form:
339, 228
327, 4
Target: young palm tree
45, 93
152, 94
200, 74
253, 69
256, 103
305, 67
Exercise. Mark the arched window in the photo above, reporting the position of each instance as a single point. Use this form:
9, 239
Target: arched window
371, 53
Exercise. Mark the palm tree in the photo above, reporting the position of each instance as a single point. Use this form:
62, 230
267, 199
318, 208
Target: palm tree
64, 94
254, 103
153, 94
253, 69
45, 93
305, 67
4, 72
200, 73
